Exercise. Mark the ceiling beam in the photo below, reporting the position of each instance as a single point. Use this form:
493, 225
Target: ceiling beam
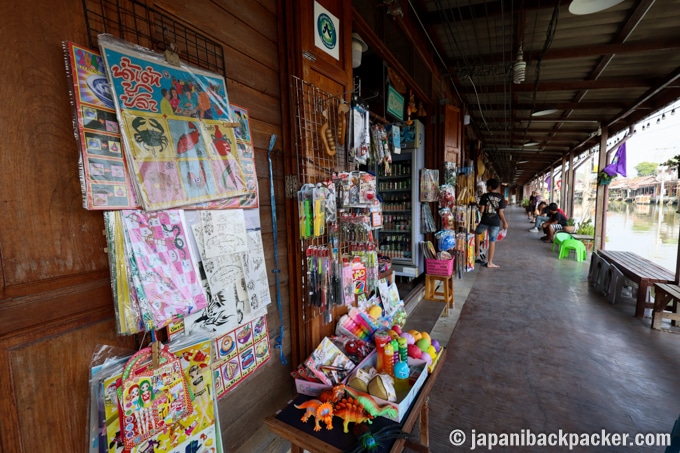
561, 86
487, 9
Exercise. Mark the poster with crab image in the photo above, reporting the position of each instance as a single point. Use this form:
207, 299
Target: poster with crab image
165, 113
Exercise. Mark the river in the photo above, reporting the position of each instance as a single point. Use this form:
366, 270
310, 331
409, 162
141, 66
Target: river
640, 229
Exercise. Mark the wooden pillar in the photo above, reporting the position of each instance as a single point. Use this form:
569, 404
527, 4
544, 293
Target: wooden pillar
602, 195
572, 178
563, 188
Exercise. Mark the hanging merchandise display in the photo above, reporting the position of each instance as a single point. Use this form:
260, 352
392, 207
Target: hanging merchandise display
450, 173
427, 219
447, 196
104, 179
179, 389
179, 154
361, 139
429, 185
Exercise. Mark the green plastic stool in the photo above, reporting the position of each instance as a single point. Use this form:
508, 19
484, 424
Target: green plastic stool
559, 238
577, 246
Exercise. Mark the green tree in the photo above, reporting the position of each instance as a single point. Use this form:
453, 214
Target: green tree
646, 168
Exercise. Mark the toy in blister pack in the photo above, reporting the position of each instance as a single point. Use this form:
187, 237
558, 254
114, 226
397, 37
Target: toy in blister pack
305, 210
355, 188
450, 171
367, 189
331, 208
151, 399
319, 201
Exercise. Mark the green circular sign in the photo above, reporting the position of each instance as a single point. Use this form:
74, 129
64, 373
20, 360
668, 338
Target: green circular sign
326, 29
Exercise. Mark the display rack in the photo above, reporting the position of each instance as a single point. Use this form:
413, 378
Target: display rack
137, 23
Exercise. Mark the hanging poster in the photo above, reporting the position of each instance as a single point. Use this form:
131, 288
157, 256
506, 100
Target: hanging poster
164, 272
326, 28
177, 128
104, 178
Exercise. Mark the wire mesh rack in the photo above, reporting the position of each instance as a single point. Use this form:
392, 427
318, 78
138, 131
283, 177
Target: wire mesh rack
139, 24
314, 109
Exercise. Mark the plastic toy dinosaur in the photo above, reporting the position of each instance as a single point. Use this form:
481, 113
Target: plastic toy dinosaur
370, 405
322, 412
349, 410
333, 395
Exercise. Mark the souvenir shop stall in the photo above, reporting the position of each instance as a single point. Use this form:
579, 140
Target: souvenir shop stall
363, 210
170, 164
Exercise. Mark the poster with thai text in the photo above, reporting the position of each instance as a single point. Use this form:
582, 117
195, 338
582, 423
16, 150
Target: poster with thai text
177, 127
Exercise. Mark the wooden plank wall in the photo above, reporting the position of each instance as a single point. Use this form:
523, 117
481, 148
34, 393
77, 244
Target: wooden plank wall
55, 297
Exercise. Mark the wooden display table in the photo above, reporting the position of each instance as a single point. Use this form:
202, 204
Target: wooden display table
287, 424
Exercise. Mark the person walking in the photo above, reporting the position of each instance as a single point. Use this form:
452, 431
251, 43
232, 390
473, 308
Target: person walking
491, 205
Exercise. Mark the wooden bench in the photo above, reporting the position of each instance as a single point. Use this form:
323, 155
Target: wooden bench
665, 294
641, 271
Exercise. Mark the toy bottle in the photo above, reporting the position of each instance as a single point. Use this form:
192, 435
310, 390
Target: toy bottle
403, 349
388, 360
401, 375
381, 338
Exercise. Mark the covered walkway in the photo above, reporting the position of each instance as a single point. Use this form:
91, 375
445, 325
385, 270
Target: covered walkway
534, 348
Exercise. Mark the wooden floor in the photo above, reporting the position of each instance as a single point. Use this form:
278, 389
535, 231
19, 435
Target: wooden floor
536, 349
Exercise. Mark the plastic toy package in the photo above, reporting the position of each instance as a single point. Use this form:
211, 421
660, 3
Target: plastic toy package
446, 240
429, 185
447, 196
447, 218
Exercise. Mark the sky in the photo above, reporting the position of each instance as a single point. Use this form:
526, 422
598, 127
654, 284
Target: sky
658, 142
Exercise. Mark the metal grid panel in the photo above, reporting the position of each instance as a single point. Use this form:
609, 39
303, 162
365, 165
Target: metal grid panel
139, 24
313, 108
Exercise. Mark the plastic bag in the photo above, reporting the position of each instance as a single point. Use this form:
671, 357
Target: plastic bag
448, 219
501, 235
446, 240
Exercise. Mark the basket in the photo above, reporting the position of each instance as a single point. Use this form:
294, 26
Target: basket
442, 268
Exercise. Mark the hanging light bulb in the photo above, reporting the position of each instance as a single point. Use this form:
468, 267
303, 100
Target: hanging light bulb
663, 116
658, 120
519, 69
673, 112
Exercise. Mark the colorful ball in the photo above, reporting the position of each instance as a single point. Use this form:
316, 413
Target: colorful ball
426, 336
426, 358
432, 352
414, 351
409, 338
423, 344
436, 345
397, 329
417, 335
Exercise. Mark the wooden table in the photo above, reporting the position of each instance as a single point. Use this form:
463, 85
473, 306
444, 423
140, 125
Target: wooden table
640, 270
302, 437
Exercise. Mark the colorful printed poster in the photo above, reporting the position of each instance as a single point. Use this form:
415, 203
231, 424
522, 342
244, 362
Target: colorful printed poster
104, 179
199, 432
239, 353
164, 271
177, 128
255, 271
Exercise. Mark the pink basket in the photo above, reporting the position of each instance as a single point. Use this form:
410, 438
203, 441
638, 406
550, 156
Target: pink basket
442, 268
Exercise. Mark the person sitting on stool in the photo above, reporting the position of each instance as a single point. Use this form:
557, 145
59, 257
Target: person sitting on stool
556, 223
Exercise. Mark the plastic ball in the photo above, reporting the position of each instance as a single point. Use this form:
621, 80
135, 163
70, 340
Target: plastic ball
393, 335
409, 337
415, 334
397, 329
436, 345
426, 336
432, 352
426, 358
423, 344
375, 311
414, 351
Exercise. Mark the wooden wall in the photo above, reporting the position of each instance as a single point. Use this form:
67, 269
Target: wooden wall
55, 299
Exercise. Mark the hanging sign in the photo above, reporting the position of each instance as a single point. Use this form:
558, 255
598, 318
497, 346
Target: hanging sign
395, 103
326, 27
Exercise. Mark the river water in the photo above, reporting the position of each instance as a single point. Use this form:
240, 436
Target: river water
650, 230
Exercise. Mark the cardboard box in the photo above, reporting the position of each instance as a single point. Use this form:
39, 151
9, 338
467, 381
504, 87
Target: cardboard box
309, 388
402, 407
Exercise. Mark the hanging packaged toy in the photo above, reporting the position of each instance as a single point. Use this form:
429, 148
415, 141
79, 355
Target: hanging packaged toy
429, 185
448, 220
305, 210
446, 240
151, 399
319, 200
447, 196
